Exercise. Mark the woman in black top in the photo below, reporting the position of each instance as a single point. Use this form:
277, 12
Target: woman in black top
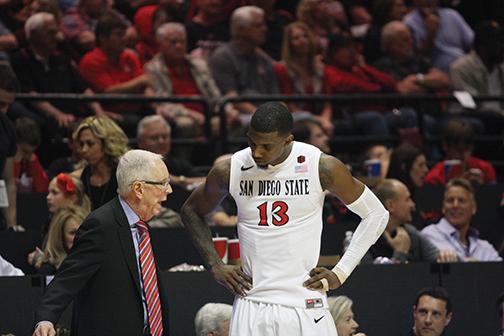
101, 143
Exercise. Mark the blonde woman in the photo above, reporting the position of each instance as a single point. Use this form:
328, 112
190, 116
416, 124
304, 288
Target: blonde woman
100, 142
302, 72
341, 311
324, 17
62, 231
64, 190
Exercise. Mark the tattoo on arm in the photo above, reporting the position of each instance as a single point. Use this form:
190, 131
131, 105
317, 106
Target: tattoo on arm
202, 201
325, 172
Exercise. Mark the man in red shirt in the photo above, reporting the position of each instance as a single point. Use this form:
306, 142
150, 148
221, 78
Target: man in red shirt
111, 68
175, 73
347, 73
458, 143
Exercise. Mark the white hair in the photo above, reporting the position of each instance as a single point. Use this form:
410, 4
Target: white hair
168, 27
243, 16
148, 120
210, 317
389, 32
35, 22
338, 305
134, 165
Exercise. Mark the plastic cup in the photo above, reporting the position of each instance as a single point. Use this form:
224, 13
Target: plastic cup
220, 244
452, 169
373, 167
234, 251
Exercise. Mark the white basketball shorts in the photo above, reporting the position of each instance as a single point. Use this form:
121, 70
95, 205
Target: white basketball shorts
265, 319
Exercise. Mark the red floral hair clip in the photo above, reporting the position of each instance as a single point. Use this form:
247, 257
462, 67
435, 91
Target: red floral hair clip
65, 183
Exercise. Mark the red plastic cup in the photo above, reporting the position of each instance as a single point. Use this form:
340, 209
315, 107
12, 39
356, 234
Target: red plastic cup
234, 251
220, 244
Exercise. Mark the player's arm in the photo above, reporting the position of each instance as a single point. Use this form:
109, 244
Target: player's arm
335, 177
203, 200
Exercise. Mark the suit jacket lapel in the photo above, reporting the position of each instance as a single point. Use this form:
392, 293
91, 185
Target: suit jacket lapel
128, 248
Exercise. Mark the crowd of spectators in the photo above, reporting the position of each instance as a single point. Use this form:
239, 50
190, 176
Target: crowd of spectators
216, 49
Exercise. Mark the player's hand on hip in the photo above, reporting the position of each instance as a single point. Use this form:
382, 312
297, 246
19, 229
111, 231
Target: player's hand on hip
44, 329
316, 282
233, 278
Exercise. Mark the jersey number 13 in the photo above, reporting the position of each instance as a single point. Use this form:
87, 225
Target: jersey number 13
278, 213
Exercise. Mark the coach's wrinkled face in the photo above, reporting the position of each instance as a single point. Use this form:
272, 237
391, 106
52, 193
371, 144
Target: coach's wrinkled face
268, 148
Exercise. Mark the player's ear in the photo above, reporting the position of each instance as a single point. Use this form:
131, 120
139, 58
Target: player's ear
289, 139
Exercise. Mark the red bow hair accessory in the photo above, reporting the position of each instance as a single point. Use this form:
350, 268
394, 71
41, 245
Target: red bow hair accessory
65, 183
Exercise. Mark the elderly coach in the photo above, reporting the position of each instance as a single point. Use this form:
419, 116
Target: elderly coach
110, 272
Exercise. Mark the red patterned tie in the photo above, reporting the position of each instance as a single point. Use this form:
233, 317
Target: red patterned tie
149, 278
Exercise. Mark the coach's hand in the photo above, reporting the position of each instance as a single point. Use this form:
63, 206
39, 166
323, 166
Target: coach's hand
233, 278
318, 273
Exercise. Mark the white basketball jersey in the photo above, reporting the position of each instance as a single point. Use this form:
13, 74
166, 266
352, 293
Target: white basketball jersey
279, 224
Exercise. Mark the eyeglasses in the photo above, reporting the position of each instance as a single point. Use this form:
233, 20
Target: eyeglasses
162, 184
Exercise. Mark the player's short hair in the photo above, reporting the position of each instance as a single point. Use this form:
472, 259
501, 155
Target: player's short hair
272, 117
437, 293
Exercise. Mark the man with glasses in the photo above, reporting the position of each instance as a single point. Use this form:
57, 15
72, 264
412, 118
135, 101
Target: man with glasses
110, 272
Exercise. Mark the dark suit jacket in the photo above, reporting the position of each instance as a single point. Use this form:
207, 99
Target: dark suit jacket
100, 274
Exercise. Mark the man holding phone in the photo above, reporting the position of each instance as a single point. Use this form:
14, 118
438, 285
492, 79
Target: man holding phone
440, 34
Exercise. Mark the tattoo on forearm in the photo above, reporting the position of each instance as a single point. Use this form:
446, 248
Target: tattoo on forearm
201, 236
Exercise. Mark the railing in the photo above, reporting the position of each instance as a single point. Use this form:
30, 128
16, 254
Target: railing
130, 98
420, 102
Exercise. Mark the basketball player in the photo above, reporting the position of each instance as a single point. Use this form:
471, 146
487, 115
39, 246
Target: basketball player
278, 185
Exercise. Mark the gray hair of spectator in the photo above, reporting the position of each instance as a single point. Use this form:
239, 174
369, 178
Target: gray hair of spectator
462, 183
210, 317
134, 165
389, 33
36, 22
148, 120
386, 189
165, 28
243, 17
338, 305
